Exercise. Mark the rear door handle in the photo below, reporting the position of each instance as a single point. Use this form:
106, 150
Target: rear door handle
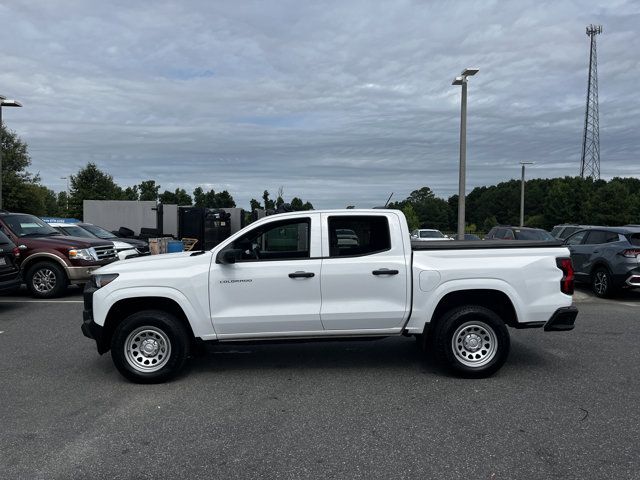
301, 275
385, 271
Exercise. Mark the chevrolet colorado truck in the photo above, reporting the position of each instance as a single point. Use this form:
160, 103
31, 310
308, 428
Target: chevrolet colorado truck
51, 261
288, 277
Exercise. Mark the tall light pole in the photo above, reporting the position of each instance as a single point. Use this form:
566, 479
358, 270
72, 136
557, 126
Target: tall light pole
462, 80
522, 193
67, 179
4, 103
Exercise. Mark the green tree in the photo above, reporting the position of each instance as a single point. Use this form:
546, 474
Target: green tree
268, 203
20, 188
131, 193
91, 183
199, 197
149, 190
255, 204
412, 218
179, 197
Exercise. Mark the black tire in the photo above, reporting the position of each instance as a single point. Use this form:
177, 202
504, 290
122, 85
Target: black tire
481, 341
602, 283
167, 355
46, 280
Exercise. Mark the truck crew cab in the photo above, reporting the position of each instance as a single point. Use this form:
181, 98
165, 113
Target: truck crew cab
288, 277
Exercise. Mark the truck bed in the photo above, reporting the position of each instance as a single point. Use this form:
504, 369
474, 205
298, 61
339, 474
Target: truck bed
481, 244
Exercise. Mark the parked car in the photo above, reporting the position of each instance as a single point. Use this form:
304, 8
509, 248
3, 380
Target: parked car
141, 246
504, 232
124, 250
50, 260
428, 235
606, 257
286, 277
563, 231
10, 278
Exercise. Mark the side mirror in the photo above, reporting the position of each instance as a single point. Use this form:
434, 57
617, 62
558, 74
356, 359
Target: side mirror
228, 257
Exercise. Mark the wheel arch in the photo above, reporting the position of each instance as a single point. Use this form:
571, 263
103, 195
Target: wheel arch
41, 257
128, 306
495, 300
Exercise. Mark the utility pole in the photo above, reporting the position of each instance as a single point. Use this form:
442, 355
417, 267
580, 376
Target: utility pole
522, 193
462, 174
590, 159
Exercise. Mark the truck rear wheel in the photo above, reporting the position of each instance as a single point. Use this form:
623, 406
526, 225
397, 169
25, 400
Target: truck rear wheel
46, 280
472, 341
150, 346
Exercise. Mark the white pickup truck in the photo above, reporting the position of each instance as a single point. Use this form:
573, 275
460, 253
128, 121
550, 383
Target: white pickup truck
289, 277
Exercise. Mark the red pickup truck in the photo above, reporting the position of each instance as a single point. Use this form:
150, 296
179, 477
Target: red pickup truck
50, 260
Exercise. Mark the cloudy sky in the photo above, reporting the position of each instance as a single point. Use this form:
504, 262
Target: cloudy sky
338, 102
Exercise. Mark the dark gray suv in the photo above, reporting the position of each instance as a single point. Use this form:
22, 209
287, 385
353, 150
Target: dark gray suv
606, 257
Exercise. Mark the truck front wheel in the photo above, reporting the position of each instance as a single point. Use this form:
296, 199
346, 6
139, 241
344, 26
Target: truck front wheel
150, 346
472, 341
46, 280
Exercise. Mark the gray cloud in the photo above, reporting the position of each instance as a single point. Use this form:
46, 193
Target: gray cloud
340, 103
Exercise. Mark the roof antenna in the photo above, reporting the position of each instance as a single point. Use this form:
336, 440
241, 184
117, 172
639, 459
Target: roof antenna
388, 199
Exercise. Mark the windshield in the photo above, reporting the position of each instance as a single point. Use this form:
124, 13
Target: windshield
98, 231
29, 226
431, 234
76, 231
533, 235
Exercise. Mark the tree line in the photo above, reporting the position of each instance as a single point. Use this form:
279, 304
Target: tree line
548, 202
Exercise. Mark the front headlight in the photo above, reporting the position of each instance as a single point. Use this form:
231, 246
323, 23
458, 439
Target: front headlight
101, 280
88, 254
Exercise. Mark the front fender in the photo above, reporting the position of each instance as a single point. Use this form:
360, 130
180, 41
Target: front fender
105, 298
39, 255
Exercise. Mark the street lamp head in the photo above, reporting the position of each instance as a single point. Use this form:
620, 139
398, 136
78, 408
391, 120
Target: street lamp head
9, 103
468, 72
527, 163
458, 81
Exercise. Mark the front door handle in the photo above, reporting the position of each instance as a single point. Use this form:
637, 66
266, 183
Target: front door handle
385, 271
301, 275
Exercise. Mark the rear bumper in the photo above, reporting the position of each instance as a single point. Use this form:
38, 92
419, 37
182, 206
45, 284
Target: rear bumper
562, 319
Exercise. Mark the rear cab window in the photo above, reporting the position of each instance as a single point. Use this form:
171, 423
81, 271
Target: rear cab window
356, 235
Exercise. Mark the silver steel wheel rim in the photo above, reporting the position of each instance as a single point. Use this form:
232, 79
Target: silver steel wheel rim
474, 344
44, 280
601, 282
147, 349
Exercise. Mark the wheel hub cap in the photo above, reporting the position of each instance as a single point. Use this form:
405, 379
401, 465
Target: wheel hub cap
472, 342
149, 348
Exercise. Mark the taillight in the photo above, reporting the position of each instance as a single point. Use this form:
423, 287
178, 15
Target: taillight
566, 284
632, 252
16, 252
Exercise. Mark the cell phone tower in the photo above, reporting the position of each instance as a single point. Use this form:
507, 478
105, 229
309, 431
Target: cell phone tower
590, 161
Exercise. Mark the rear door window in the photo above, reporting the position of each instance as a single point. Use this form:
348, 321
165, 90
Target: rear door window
358, 235
598, 237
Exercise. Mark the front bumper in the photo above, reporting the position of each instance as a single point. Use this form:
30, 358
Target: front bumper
91, 329
563, 319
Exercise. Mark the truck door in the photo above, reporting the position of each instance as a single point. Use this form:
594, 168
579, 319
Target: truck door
274, 286
365, 284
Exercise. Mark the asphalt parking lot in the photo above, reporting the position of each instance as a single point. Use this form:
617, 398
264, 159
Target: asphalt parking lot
566, 405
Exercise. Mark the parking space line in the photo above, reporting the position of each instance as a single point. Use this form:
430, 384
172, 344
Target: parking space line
41, 301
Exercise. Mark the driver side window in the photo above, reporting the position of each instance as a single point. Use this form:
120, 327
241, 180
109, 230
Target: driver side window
285, 240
